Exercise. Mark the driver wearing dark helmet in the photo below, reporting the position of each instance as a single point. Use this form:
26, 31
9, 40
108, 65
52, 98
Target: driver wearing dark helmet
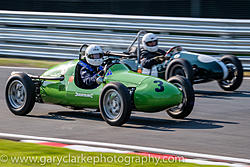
150, 54
91, 71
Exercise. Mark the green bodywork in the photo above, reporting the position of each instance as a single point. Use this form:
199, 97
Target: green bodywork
151, 94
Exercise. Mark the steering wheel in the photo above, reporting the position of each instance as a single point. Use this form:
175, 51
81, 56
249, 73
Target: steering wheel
177, 48
109, 62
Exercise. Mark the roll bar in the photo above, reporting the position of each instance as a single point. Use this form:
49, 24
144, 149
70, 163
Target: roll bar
138, 39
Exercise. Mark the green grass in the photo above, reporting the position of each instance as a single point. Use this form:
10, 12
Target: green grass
34, 155
27, 62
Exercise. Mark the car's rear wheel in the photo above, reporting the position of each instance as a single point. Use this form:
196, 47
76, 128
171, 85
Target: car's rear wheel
115, 104
235, 73
186, 106
179, 67
20, 94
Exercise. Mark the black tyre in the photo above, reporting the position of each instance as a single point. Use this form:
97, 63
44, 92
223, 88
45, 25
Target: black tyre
115, 104
20, 94
185, 108
179, 67
235, 73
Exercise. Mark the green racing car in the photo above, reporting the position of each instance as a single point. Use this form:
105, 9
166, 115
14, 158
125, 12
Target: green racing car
121, 91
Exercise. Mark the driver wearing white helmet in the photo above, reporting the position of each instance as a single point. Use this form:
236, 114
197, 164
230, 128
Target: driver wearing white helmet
91, 68
150, 53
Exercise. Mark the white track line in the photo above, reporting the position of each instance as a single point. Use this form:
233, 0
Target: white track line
246, 77
108, 150
80, 147
34, 141
129, 147
94, 149
29, 68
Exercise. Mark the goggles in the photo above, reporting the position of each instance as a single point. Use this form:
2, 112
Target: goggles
152, 43
95, 56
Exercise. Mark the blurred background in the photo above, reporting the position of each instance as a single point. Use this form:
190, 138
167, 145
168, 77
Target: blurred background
179, 8
214, 27
55, 29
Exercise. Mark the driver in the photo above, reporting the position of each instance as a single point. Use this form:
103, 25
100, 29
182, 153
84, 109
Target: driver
91, 71
150, 54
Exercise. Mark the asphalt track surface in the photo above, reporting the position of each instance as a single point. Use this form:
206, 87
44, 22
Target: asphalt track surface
219, 123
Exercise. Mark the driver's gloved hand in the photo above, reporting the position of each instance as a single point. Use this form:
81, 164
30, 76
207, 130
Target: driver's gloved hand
156, 59
99, 79
159, 59
167, 56
162, 59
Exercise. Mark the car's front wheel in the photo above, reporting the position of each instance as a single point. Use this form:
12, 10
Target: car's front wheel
235, 73
179, 67
20, 94
115, 104
186, 106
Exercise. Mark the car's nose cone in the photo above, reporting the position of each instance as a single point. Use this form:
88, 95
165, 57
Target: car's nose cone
155, 94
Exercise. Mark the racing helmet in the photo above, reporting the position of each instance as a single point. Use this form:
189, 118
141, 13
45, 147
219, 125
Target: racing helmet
94, 55
150, 42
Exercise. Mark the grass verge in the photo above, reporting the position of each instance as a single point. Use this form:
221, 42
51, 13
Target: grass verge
17, 62
27, 154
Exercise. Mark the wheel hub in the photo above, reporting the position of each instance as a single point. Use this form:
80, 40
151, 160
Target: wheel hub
232, 75
177, 109
17, 94
112, 104
178, 71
